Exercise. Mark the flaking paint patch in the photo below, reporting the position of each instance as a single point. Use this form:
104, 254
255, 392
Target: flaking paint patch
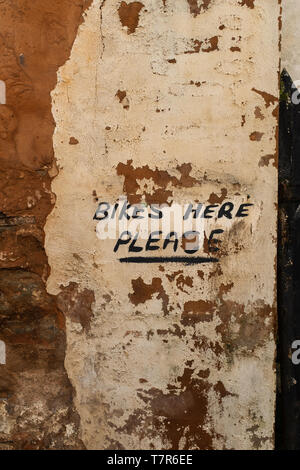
197, 6
161, 178
256, 136
265, 160
122, 96
76, 305
248, 3
129, 15
258, 113
207, 45
143, 292
197, 311
267, 97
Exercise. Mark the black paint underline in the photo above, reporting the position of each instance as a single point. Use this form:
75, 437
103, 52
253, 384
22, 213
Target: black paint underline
172, 259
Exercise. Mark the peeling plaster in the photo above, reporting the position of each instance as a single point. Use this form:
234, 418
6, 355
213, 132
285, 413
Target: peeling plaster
185, 364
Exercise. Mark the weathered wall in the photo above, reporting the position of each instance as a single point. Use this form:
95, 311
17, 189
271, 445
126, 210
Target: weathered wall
36, 404
158, 355
166, 101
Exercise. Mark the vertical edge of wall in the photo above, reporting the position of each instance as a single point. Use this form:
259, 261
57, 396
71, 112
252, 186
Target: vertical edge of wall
288, 415
287, 435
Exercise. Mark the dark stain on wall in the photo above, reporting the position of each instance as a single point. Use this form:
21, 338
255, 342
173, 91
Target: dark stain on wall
256, 136
241, 330
179, 415
267, 97
76, 304
197, 6
248, 3
215, 199
195, 311
265, 160
129, 14
207, 45
161, 178
258, 114
143, 292
122, 95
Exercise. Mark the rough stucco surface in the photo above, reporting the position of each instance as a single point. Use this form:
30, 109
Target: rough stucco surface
182, 94
36, 397
290, 39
